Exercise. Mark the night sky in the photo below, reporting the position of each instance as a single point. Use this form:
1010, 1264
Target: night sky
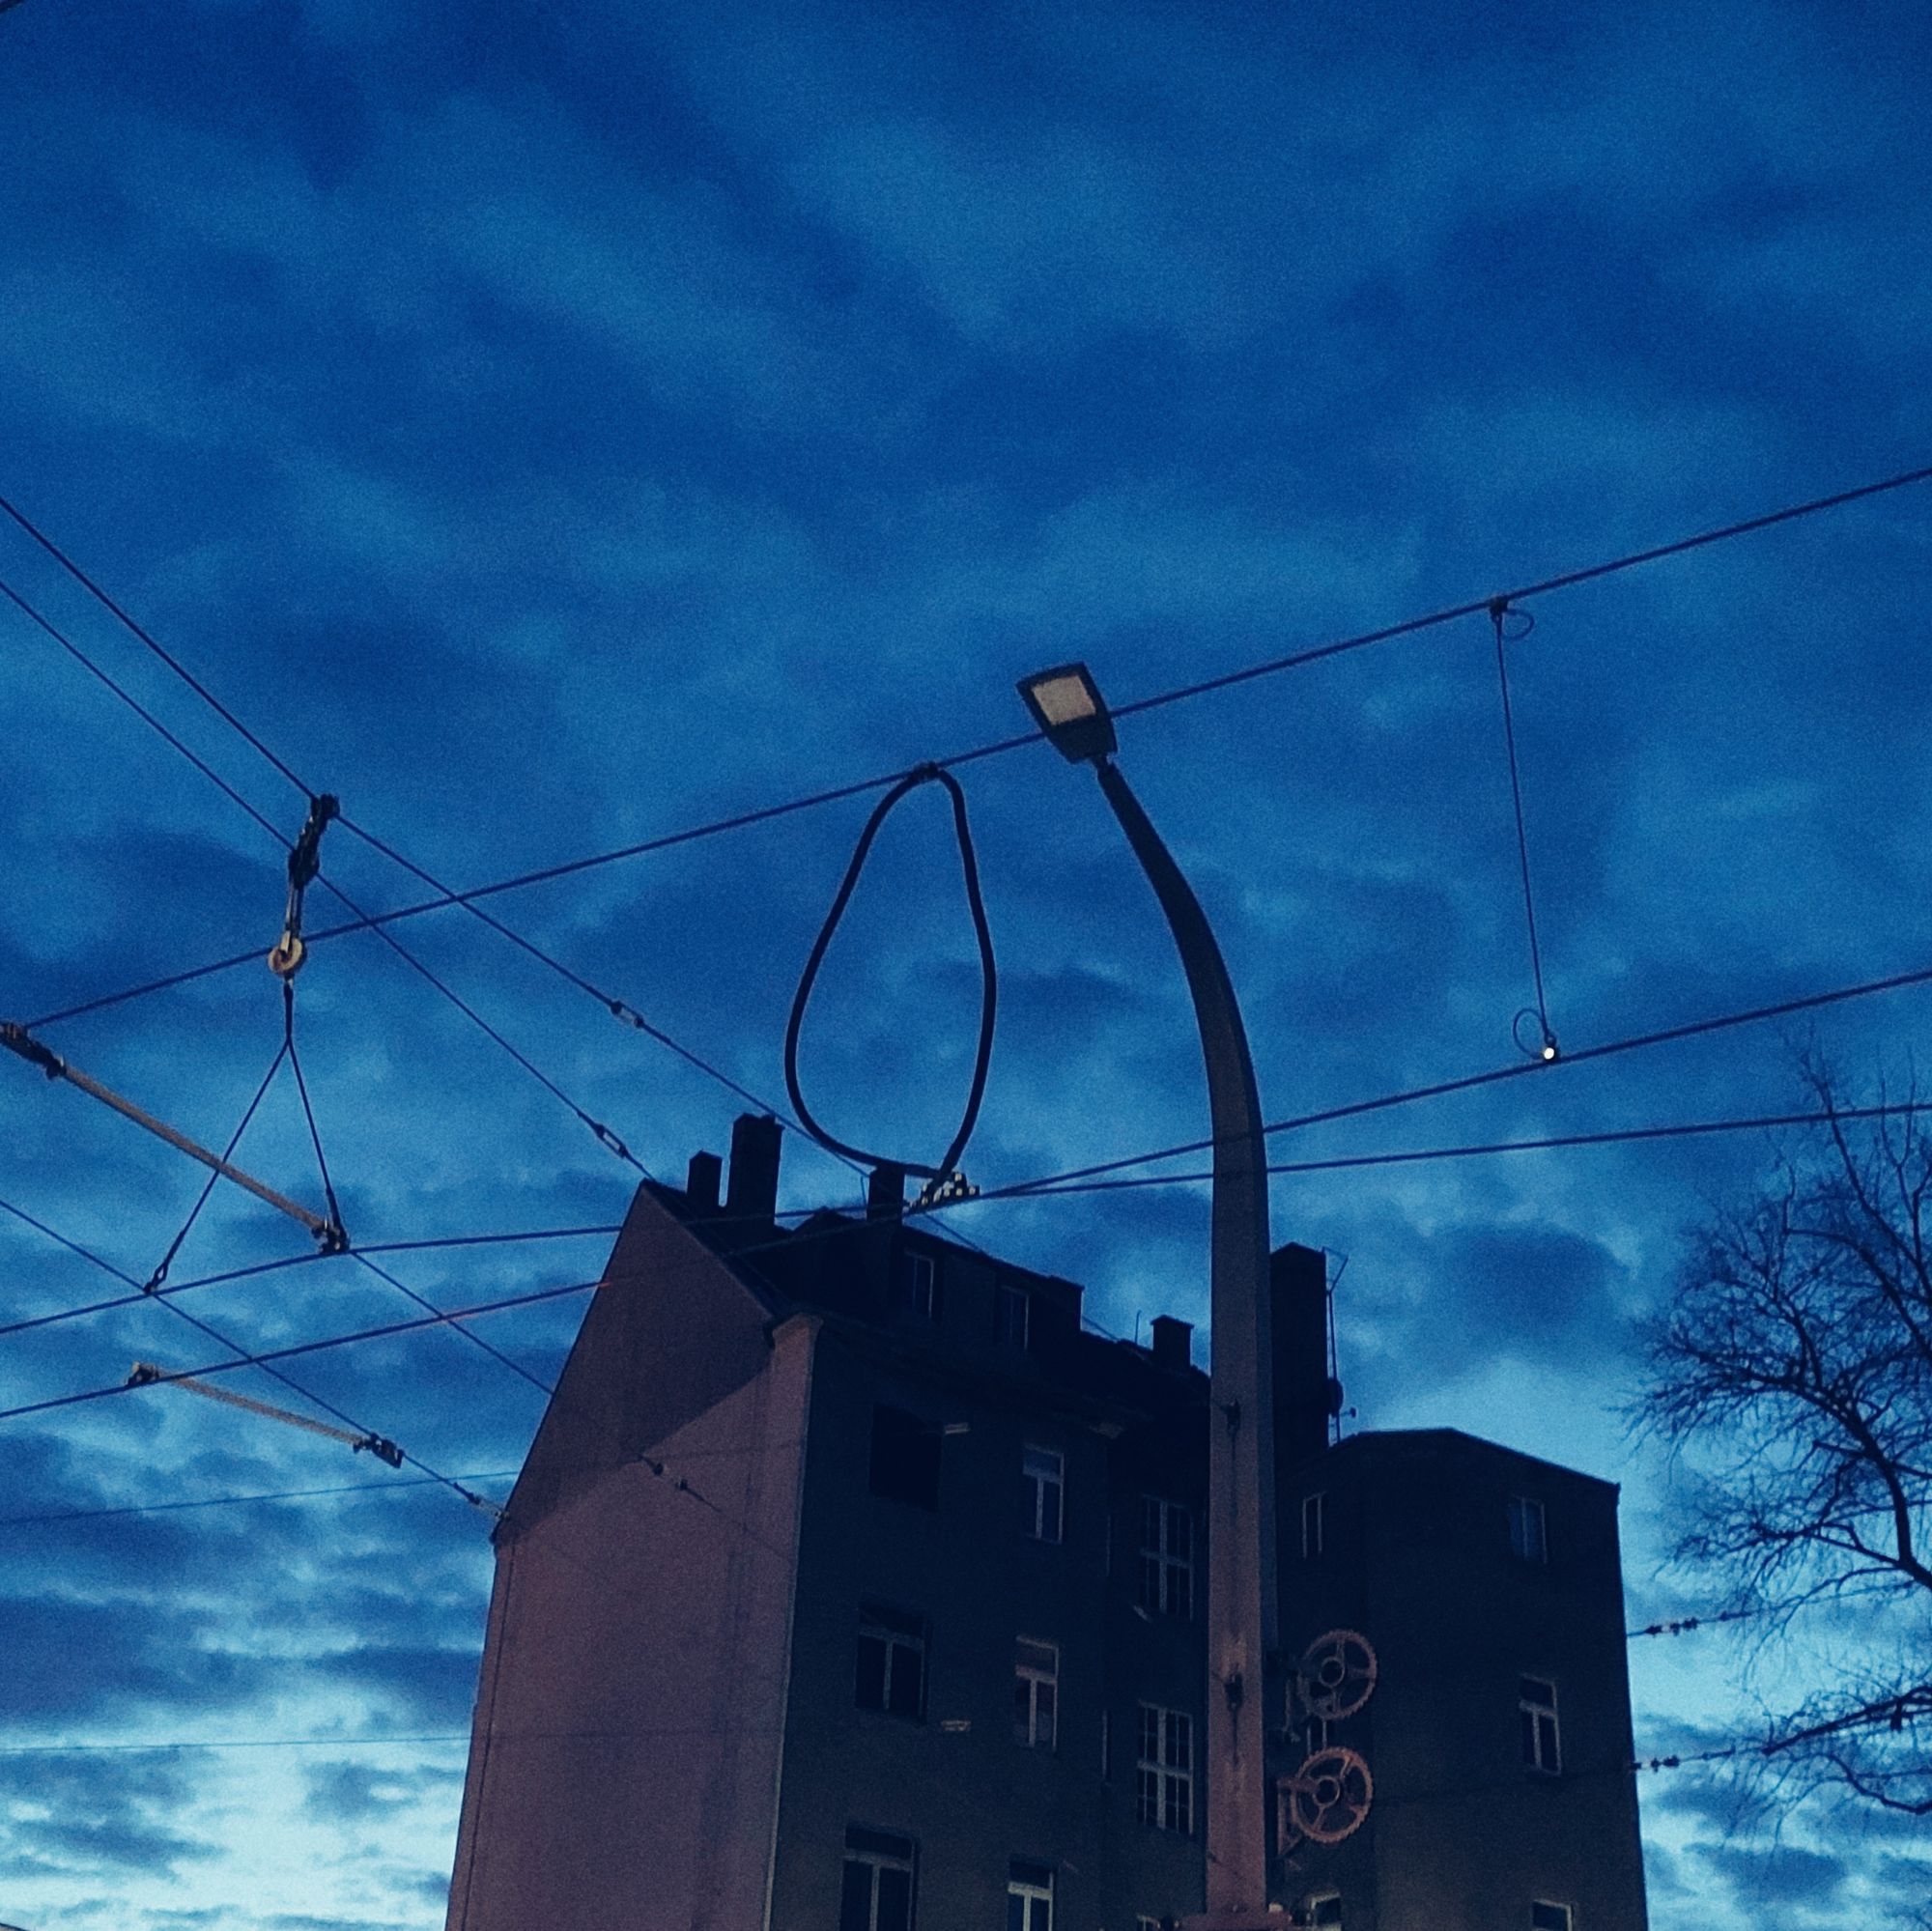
552, 427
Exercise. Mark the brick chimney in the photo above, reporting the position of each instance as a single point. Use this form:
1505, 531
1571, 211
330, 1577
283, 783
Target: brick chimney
1304, 1397
1172, 1341
700, 1181
753, 1189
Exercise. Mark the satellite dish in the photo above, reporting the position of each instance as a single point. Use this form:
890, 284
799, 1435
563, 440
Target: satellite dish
1338, 1674
1328, 1799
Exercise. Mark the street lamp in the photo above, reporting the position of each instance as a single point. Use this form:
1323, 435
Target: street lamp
1067, 706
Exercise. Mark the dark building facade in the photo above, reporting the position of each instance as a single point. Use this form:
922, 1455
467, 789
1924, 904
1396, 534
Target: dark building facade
851, 1585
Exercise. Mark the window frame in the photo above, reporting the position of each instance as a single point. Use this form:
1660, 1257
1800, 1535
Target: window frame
1030, 1883
875, 1857
1541, 1727
1158, 1778
1317, 1900
1565, 1921
1039, 1481
1525, 1510
1031, 1676
1315, 1515
897, 1632
916, 1286
1165, 1586
1007, 1296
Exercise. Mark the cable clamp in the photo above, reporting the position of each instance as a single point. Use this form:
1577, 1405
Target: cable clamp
943, 1190
144, 1372
380, 1447
1503, 614
608, 1138
286, 955
17, 1039
332, 1239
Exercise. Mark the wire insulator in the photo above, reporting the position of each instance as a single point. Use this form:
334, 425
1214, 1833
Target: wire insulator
989, 977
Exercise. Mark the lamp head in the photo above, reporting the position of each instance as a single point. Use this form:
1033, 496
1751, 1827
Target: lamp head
1070, 712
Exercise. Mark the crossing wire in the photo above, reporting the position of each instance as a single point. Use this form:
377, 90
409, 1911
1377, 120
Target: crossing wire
1181, 693
254, 1268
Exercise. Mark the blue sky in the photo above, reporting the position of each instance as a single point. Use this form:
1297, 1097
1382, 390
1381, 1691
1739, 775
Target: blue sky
550, 427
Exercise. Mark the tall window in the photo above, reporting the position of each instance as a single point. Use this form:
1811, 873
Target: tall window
877, 1893
1314, 1523
1326, 1909
1527, 1536
1550, 1918
1029, 1897
1167, 1558
1044, 1474
905, 1458
1536, 1699
892, 1661
916, 1286
1035, 1692
1013, 1311
1164, 1779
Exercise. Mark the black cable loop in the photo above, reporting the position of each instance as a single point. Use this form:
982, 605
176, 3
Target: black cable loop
1500, 613
947, 1167
160, 1274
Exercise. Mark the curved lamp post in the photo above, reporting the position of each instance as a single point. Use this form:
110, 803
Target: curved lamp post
1241, 1621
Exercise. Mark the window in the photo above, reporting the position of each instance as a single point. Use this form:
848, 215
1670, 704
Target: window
1012, 1310
1326, 1909
1029, 1897
1536, 1698
1527, 1536
1044, 1474
877, 1894
1551, 1918
916, 1287
1035, 1692
1167, 1558
1314, 1522
1164, 1785
892, 1661
905, 1458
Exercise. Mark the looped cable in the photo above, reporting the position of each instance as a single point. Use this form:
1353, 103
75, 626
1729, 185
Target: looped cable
946, 1170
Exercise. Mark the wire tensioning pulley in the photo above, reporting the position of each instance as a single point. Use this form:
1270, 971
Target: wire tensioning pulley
287, 953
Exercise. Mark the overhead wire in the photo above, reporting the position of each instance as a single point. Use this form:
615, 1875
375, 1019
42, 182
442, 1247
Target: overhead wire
277, 1265
1499, 614
1180, 694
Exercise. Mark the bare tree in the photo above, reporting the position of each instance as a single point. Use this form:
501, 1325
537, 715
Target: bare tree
1794, 1365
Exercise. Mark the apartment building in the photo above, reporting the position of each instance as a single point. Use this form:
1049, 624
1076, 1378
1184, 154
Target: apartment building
851, 1584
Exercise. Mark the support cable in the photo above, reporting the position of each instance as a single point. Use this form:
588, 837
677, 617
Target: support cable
291, 950
946, 1179
161, 1271
1499, 614
1273, 666
308, 1111
259, 1267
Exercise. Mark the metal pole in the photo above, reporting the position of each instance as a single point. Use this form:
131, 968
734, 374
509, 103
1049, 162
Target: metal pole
1241, 1578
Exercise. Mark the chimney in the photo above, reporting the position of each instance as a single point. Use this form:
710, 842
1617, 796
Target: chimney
1304, 1397
884, 1192
1172, 1341
700, 1181
754, 1167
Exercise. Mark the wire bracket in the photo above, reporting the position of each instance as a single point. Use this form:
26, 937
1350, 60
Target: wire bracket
147, 1374
16, 1040
287, 953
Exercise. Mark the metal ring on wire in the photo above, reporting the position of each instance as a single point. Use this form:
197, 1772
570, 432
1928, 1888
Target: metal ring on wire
947, 1169
1512, 624
1544, 1047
